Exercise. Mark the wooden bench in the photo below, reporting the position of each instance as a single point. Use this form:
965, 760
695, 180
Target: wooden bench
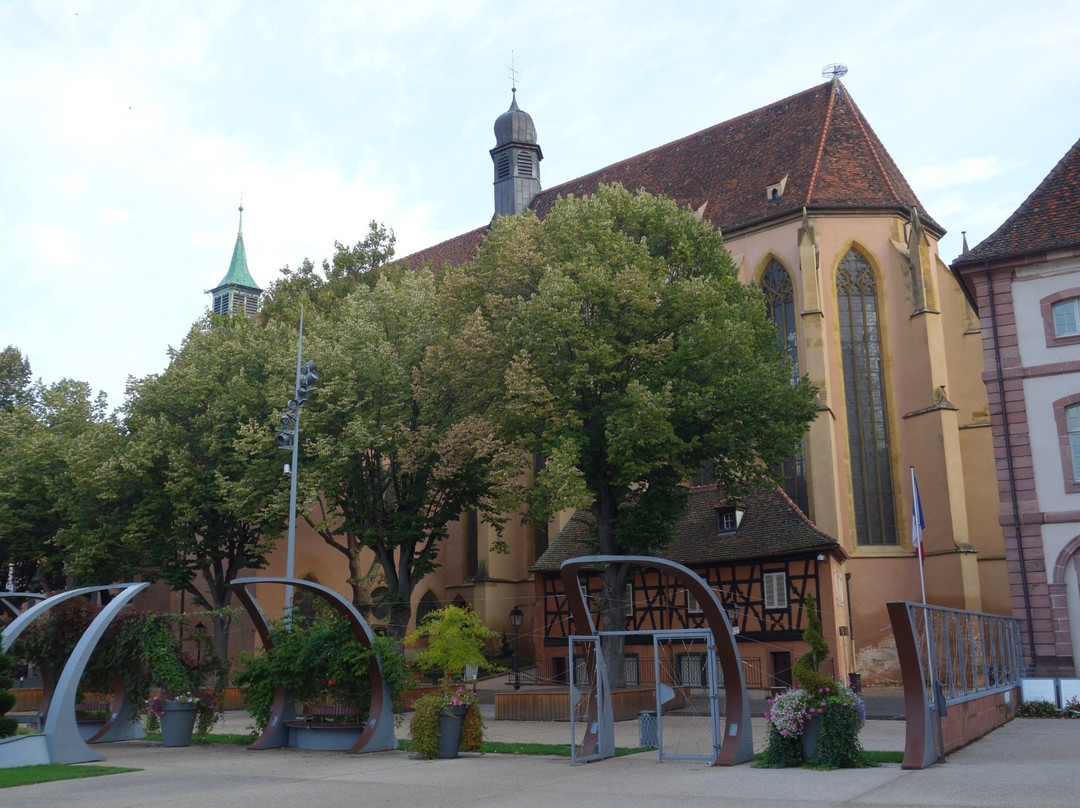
326, 727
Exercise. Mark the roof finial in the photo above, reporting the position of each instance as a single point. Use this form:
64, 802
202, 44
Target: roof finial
240, 229
834, 71
964, 249
513, 74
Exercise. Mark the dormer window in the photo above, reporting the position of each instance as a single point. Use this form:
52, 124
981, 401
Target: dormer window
729, 519
776, 190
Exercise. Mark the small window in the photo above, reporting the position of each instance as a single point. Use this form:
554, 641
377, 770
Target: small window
728, 519
1067, 317
692, 605
775, 585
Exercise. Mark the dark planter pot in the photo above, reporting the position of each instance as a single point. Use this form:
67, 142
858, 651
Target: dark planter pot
809, 738
450, 721
177, 723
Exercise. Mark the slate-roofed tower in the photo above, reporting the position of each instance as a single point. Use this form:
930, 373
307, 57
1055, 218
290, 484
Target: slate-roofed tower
237, 291
516, 158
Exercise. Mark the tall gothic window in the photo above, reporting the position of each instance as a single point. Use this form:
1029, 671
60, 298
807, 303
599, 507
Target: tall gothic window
864, 395
780, 299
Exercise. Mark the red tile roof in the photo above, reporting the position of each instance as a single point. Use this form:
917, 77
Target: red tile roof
818, 139
1047, 220
772, 525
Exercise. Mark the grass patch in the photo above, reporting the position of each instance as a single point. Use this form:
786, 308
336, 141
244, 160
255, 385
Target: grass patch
28, 775
220, 738
871, 758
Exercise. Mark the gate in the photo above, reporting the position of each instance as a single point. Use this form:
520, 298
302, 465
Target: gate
685, 662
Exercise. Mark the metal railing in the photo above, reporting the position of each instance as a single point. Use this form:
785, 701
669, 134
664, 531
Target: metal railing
966, 653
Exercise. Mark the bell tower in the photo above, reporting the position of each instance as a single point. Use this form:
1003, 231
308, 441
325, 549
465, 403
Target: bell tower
516, 159
237, 292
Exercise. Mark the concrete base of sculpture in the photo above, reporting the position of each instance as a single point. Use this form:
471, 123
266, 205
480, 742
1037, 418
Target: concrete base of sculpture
24, 750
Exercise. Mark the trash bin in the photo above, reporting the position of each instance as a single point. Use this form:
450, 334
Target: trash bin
647, 729
856, 682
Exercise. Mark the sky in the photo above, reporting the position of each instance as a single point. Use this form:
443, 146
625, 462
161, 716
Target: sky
130, 131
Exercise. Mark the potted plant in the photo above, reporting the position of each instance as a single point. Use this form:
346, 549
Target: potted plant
138, 652
818, 722
455, 639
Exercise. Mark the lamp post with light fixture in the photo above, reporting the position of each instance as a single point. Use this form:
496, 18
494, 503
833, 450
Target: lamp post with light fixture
515, 620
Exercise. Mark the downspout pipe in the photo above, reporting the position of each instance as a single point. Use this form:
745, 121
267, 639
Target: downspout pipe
1009, 460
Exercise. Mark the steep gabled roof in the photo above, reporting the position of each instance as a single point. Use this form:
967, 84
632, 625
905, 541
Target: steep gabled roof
1049, 219
772, 525
815, 146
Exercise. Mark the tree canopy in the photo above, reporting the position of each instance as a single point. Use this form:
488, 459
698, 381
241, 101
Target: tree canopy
614, 337
389, 459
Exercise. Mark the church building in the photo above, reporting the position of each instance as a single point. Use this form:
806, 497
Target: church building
815, 212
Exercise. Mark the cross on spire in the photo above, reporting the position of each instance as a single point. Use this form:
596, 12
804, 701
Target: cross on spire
513, 74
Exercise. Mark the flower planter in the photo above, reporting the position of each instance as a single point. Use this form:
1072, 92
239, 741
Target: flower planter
450, 721
178, 723
809, 738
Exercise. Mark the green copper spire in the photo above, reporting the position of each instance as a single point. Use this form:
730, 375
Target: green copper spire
237, 290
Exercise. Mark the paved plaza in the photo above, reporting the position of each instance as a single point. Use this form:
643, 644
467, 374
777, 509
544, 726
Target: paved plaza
1026, 763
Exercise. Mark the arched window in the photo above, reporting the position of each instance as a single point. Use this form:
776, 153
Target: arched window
780, 299
864, 395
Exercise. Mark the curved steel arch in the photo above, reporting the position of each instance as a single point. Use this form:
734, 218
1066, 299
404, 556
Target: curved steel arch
378, 735
8, 600
61, 732
738, 744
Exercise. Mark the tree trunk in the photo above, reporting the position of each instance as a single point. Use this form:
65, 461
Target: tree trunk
613, 588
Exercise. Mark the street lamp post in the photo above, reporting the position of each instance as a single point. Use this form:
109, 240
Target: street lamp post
515, 620
289, 440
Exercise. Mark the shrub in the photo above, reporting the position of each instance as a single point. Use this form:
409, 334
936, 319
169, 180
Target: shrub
1038, 709
316, 661
8, 725
424, 726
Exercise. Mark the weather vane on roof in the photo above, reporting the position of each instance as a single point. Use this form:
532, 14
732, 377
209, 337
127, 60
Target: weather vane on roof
834, 71
513, 74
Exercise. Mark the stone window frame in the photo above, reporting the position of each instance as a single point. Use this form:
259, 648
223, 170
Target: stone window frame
1068, 473
1046, 307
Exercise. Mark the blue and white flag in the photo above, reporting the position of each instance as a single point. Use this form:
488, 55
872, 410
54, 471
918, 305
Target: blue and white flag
917, 520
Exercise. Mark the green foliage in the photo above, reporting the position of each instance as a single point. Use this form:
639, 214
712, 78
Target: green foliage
838, 715
213, 498
42, 442
424, 725
390, 459
1038, 709
316, 661
456, 637
14, 378
615, 338
805, 669
8, 725
138, 646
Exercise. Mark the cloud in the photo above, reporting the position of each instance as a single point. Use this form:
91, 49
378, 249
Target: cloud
961, 171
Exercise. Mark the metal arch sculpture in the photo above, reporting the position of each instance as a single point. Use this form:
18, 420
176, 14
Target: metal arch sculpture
60, 735
9, 601
738, 745
378, 735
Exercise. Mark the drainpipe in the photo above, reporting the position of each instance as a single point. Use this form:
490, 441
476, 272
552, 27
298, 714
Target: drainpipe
1009, 461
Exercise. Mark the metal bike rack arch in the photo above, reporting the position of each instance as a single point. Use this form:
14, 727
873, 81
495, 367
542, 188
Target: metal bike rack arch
737, 745
378, 734
60, 740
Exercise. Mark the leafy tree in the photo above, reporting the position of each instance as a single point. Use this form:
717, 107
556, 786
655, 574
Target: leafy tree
615, 338
37, 443
393, 458
215, 499
14, 378
350, 267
